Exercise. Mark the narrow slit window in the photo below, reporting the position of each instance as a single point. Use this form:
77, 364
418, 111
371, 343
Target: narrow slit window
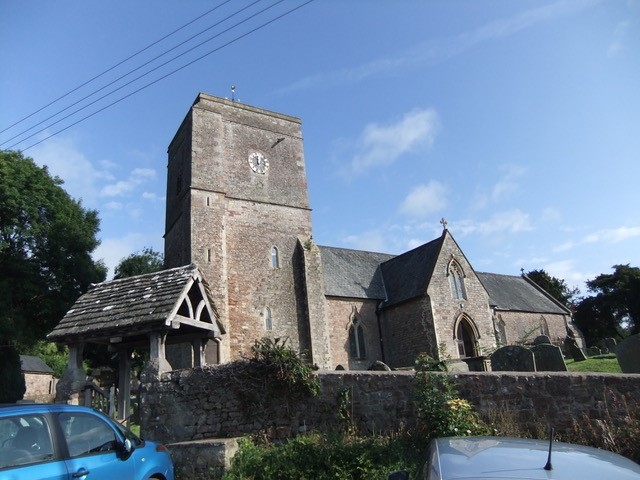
268, 321
456, 281
356, 340
275, 258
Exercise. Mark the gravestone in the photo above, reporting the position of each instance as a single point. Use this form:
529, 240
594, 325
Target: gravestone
513, 358
609, 343
541, 340
574, 350
628, 353
593, 351
548, 358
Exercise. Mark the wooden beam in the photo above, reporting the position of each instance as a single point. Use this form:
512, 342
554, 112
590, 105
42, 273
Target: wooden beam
188, 321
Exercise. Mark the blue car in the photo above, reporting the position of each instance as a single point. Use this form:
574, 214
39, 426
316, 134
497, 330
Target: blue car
64, 442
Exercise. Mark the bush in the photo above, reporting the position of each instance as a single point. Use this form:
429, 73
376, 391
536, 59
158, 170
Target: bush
321, 457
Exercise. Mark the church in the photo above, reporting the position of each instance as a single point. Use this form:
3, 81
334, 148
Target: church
241, 265
238, 208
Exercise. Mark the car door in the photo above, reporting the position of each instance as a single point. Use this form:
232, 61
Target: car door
27, 450
94, 449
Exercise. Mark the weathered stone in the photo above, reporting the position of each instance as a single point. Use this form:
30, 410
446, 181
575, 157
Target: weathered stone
628, 353
541, 340
379, 366
548, 358
574, 350
593, 351
513, 358
609, 343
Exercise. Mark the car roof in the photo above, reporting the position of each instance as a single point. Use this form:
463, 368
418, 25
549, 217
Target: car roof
31, 408
511, 458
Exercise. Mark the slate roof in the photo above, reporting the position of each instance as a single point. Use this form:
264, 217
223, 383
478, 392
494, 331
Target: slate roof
127, 306
33, 364
408, 275
352, 273
517, 293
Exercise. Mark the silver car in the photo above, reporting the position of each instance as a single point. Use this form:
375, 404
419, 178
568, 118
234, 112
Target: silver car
515, 458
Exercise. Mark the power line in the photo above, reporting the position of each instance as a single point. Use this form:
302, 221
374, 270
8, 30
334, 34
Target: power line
127, 74
113, 67
172, 72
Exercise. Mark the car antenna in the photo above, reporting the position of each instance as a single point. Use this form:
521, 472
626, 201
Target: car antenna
548, 466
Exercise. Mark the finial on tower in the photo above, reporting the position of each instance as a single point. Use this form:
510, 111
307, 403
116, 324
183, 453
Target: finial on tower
443, 222
233, 93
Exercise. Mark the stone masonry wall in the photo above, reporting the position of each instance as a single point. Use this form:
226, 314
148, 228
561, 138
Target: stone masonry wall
211, 402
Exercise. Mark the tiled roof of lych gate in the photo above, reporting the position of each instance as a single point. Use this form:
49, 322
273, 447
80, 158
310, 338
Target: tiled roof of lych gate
516, 293
129, 303
352, 273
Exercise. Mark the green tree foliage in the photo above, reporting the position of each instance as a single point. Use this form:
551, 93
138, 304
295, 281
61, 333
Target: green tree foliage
146, 261
54, 355
555, 287
614, 309
12, 385
46, 241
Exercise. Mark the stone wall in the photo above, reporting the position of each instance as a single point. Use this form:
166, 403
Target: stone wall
212, 402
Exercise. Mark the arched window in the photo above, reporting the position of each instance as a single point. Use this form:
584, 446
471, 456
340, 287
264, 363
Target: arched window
275, 258
466, 339
456, 281
268, 321
356, 340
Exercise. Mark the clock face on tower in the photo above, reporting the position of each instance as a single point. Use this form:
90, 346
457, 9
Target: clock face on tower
258, 162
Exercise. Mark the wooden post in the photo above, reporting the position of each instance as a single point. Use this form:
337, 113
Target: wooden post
124, 385
199, 346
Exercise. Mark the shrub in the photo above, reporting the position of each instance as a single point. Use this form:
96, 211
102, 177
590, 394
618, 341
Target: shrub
12, 386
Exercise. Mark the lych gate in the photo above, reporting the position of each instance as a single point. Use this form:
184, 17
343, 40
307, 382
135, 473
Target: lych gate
169, 312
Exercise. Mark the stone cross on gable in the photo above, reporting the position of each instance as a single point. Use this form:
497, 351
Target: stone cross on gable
443, 222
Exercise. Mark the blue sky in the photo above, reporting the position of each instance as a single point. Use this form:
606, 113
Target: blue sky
518, 122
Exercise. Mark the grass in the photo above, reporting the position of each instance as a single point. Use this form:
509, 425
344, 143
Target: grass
599, 364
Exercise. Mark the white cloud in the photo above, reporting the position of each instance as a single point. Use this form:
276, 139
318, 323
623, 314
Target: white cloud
153, 197
371, 241
607, 236
65, 160
425, 199
617, 44
435, 52
509, 221
137, 177
383, 145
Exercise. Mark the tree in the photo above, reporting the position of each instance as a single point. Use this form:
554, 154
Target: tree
12, 386
146, 261
614, 310
555, 287
46, 241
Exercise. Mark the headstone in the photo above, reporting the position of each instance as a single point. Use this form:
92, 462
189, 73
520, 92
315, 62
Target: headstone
609, 343
593, 351
628, 353
541, 340
548, 358
513, 358
379, 366
574, 350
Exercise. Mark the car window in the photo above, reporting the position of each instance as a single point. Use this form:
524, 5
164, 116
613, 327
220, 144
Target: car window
24, 440
87, 434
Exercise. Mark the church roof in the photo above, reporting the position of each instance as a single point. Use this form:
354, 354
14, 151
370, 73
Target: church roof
33, 364
408, 275
134, 305
379, 276
517, 293
352, 273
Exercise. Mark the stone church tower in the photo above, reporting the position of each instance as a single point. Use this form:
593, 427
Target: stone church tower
237, 206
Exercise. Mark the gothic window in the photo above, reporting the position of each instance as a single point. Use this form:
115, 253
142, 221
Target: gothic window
356, 340
465, 339
268, 321
275, 258
456, 281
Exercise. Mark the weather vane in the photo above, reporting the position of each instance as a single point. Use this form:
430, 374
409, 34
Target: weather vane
233, 93
443, 222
